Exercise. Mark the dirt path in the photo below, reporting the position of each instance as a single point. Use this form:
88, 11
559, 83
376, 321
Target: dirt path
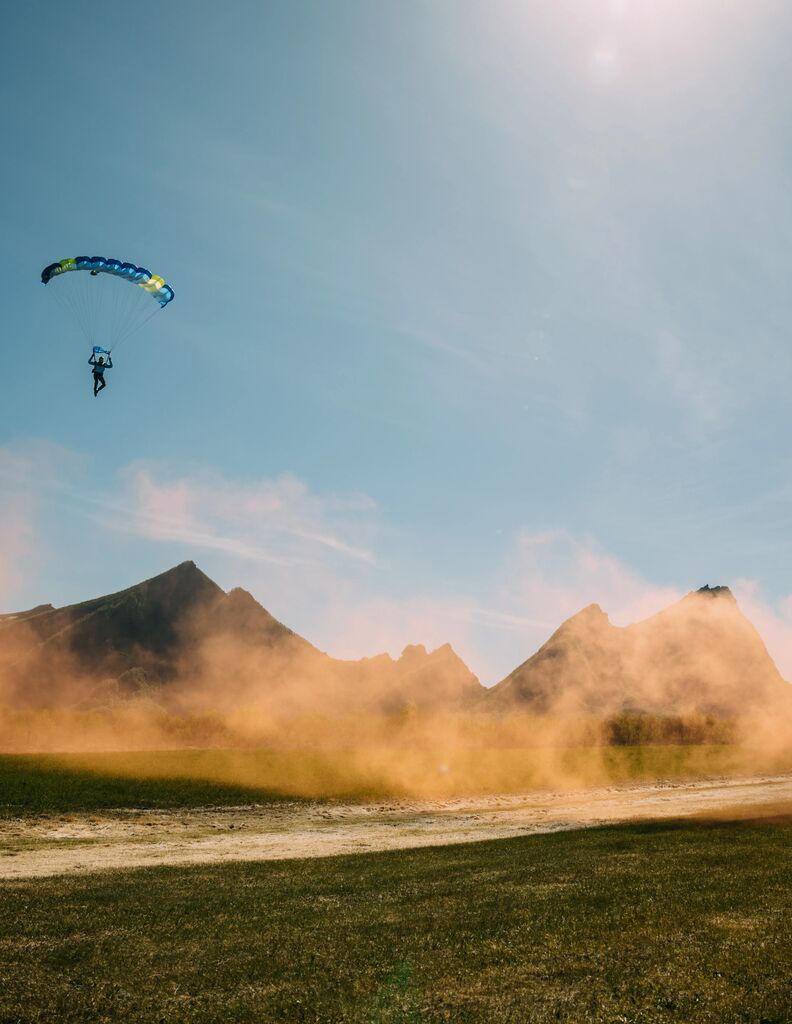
76, 843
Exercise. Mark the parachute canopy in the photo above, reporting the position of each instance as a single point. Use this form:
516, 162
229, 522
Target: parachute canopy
149, 282
111, 299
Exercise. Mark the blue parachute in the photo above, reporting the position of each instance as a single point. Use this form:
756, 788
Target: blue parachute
109, 299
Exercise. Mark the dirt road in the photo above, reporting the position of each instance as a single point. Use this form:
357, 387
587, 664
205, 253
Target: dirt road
74, 843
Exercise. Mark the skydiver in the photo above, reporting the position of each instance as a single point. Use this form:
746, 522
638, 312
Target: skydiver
99, 367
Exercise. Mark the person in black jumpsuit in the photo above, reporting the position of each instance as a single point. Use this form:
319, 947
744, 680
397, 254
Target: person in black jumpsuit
99, 367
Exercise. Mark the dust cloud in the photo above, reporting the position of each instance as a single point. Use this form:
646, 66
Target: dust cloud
696, 675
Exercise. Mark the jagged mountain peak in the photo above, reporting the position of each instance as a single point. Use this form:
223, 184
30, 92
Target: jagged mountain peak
721, 594
185, 575
718, 591
182, 586
418, 655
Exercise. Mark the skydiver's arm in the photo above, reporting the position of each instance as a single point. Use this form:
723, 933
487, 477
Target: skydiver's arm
92, 360
109, 363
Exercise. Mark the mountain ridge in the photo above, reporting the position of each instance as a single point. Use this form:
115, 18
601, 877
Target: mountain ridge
182, 638
699, 654
180, 635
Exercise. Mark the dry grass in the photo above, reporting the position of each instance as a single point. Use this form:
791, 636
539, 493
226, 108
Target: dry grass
683, 922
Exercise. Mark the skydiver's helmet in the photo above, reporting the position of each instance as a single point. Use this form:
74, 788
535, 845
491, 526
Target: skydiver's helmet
94, 273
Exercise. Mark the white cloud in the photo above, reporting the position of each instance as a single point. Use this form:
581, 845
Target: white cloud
552, 575
279, 520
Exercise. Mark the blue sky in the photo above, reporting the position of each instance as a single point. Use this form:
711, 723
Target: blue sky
482, 309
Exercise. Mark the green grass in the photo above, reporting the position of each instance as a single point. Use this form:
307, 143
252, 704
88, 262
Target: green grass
189, 778
679, 922
35, 784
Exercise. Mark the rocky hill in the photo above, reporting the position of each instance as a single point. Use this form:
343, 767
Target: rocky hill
701, 654
182, 639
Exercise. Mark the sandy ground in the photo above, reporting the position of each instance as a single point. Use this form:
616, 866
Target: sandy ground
75, 843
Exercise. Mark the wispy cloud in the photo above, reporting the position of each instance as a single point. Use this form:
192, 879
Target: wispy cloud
442, 342
542, 579
278, 520
553, 574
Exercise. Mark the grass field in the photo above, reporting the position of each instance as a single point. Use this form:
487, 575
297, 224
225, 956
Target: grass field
189, 778
673, 922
